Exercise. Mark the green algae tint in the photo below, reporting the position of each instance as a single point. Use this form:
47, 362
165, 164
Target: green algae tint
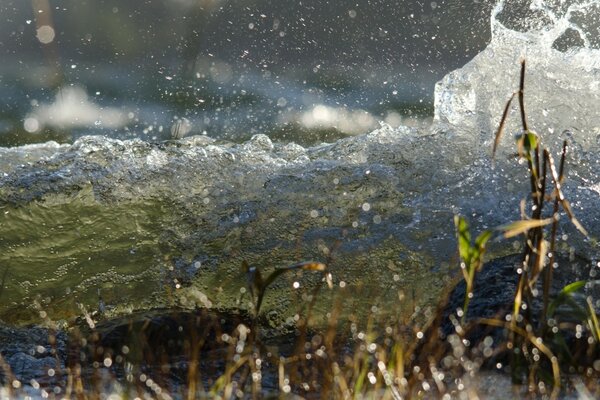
70, 250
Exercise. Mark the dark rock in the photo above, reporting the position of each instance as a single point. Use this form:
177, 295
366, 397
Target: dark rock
30, 352
493, 298
495, 287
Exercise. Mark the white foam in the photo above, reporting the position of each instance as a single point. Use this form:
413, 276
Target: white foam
561, 87
73, 109
321, 116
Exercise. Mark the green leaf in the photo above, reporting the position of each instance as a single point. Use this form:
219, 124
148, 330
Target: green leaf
531, 140
306, 266
464, 239
258, 286
576, 310
572, 287
526, 143
482, 239
561, 346
565, 297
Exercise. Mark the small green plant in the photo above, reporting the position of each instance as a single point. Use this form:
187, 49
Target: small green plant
249, 347
528, 334
257, 285
471, 255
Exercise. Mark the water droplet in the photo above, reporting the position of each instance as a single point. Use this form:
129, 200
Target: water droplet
45, 34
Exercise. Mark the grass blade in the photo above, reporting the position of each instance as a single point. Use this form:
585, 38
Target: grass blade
563, 296
560, 196
536, 343
522, 97
501, 125
593, 320
464, 239
522, 226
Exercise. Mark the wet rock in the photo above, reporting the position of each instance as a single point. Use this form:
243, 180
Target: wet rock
493, 298
32, 353
148, 225
496, 284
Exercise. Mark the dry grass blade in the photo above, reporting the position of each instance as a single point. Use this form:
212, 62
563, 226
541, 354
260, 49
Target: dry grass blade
340, 380
563, 156
536, 342
225, 380
309, 266
522, 207
593, 320
522, 226
6, 371
560, 196
501, 125
540, 261
567, 207
517, 306
388, 381
548, 275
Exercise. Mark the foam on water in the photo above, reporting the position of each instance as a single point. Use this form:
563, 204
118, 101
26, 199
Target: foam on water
11, 158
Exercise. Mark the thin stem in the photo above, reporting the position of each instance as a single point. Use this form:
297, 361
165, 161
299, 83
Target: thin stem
521, 97
501, 125
552, 256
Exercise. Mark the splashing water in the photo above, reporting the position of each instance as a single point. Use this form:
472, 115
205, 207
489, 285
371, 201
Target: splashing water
72, 108
560, 42
133, 218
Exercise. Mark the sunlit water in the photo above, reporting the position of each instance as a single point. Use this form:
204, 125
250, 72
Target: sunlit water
104, 214
297, 105
132, 224
300, 72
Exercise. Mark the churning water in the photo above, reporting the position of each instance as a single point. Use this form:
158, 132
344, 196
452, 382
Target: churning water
134, 224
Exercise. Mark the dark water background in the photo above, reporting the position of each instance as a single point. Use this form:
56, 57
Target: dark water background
230, 69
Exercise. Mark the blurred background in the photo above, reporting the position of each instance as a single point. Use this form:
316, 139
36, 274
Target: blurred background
304, 71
